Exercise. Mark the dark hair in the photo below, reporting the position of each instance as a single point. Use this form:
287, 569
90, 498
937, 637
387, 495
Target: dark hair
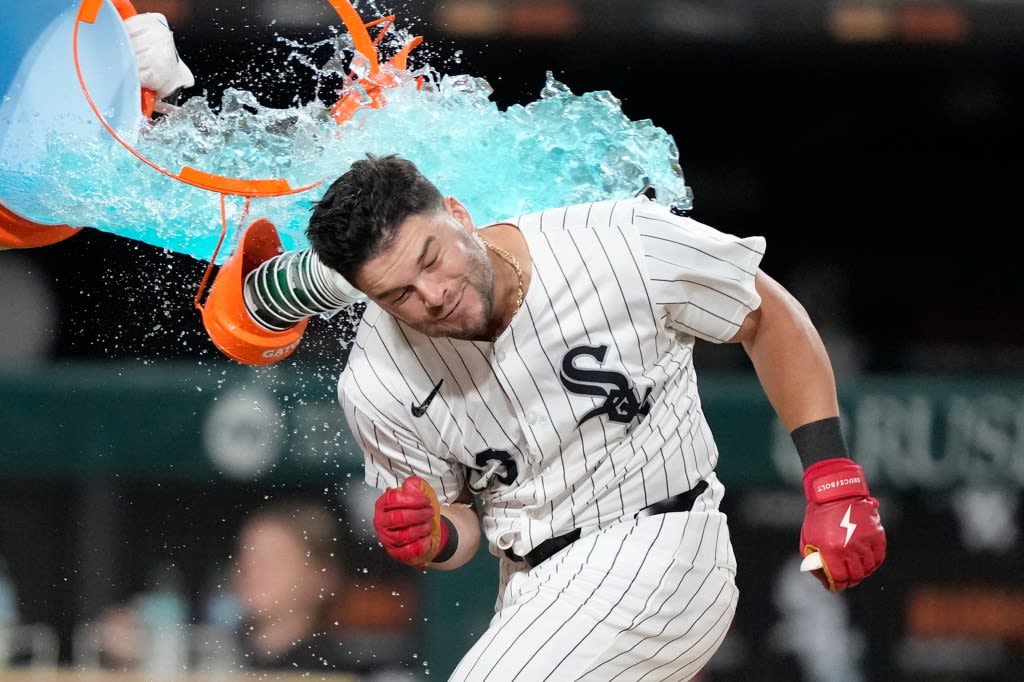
360, 212
318, 525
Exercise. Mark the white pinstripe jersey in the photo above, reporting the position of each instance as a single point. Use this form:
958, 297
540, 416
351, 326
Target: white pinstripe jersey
585, 409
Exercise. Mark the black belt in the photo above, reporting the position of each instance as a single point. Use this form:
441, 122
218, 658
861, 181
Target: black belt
683, 502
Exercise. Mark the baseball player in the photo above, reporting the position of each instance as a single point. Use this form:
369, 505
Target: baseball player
535, 378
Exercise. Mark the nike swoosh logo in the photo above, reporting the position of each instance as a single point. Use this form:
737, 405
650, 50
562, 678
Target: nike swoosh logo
421, 409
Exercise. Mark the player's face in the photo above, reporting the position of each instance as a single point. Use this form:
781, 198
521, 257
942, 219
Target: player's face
435, 276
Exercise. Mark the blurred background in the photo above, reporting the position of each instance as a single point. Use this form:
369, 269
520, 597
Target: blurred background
876, 144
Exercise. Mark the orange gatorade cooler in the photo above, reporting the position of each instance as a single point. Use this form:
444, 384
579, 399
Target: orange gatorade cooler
42, 102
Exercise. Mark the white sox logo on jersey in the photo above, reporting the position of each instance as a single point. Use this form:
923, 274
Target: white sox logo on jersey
622, 404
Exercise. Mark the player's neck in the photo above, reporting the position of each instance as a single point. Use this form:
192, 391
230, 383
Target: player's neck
510, 257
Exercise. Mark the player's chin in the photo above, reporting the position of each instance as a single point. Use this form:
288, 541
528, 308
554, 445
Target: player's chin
465, 322
442, 328
458, 331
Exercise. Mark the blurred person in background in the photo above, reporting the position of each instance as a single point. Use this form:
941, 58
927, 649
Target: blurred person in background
288, 570
285, 604
290, 578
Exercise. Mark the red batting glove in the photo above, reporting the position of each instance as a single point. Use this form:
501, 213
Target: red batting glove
408, 522
841, 523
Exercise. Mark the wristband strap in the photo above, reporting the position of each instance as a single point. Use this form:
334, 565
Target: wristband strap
819, 440
449, 541
834, 479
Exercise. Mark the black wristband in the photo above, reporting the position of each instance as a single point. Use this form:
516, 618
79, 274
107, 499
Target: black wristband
819, 440
448, 551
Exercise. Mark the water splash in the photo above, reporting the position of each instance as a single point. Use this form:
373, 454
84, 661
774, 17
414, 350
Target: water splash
561, 148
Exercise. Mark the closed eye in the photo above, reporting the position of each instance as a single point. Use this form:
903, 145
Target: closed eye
401, 296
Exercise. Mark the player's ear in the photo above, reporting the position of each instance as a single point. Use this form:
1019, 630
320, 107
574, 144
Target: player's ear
459, 211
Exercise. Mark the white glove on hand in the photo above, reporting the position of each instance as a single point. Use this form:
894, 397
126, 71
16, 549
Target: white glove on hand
160, 68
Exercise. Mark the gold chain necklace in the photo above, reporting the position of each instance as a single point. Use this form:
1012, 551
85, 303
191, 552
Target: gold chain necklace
511, 260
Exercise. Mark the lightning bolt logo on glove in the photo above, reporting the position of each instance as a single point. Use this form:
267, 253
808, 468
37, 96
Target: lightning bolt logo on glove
849, 525
841, 524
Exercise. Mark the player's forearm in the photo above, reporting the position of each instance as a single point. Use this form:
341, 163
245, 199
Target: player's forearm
463, 536
790, 359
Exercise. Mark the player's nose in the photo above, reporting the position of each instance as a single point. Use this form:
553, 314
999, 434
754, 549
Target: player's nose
432, 294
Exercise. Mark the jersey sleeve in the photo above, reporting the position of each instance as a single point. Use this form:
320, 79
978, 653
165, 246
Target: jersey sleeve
391, 452
703, 278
